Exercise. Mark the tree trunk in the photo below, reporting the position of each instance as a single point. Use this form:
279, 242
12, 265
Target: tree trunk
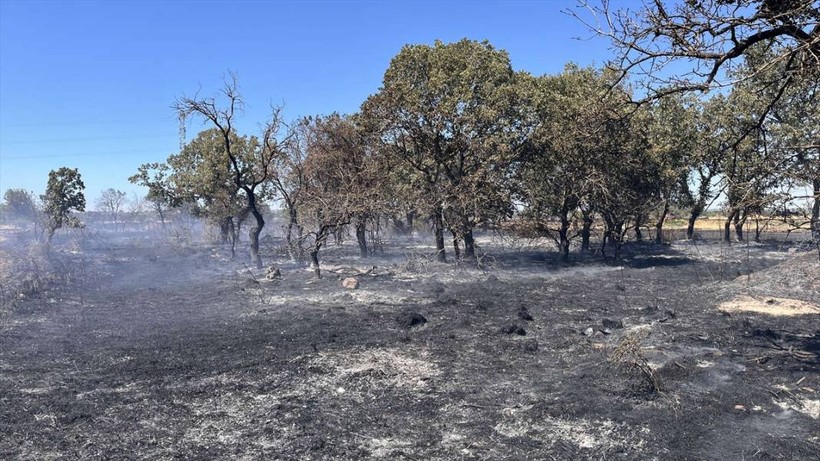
255, 230
727, 227
659, 225
161, 213
409, 217
314, 261
400, 227
563, 236
607, 236
361, 229
638, 223
738, 223
292, 223
438, 228
230, 232
586, 231
224, 230
456, 248
758, 230
617, 234
469, 244
815, 211
693, 217
338, 235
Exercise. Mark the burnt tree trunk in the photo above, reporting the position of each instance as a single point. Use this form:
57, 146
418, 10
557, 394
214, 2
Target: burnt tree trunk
255, 230
659, 225
225, 229
456, 248
293, 223
314, 261
815, 211
697, 210
758, 230
617, 235
469, 244
438, 229
727, 226
739, 222
586, 231
361, 230
228, 234
607, 236
563, 235
638, 223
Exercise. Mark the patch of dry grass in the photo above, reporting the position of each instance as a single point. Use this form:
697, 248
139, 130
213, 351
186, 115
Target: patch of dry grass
782, 307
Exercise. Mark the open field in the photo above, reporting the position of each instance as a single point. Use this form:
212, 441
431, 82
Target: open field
146, 350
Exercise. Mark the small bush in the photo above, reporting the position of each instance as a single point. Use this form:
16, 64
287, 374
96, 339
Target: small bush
628, 357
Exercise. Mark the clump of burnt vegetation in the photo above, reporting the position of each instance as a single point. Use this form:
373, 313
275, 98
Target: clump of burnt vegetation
629, 358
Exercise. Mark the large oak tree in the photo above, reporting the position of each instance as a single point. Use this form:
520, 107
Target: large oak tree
446, 112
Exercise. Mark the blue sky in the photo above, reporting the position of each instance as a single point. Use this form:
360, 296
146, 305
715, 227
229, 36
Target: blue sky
89, 84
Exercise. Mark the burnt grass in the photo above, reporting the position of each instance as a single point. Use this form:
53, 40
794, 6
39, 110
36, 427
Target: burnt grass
164, 351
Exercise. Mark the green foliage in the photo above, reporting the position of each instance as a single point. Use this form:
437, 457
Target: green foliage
64, 194
202, 175
20, 205
447, 113
161, 192
586, 150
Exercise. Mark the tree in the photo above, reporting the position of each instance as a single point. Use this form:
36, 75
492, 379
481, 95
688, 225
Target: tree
577, 130
161, 194
251, 172
700, 40
64, 195
446, 112
628, 188
21, 206
673, 135
751, 169
705, 166
794, 132
287, 180
699, 45
112, 201
202, 176
341, 182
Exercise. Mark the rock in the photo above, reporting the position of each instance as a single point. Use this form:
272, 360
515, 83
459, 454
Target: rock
492, 278
409, 319
606, 331
589, 331
524, 314
273, 273
351, 283
612, 324
512, 329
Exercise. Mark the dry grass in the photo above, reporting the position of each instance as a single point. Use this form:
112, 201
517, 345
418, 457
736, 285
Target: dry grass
781, 307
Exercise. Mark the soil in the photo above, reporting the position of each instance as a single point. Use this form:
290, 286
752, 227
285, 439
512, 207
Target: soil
164, 351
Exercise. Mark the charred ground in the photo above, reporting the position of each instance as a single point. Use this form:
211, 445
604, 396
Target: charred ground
151, 351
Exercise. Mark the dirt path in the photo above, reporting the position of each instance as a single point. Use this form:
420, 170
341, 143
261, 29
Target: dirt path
161, 354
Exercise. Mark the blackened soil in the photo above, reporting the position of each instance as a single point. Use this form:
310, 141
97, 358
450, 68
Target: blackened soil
163, 354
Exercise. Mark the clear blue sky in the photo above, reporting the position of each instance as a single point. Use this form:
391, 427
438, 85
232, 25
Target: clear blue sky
89, 84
